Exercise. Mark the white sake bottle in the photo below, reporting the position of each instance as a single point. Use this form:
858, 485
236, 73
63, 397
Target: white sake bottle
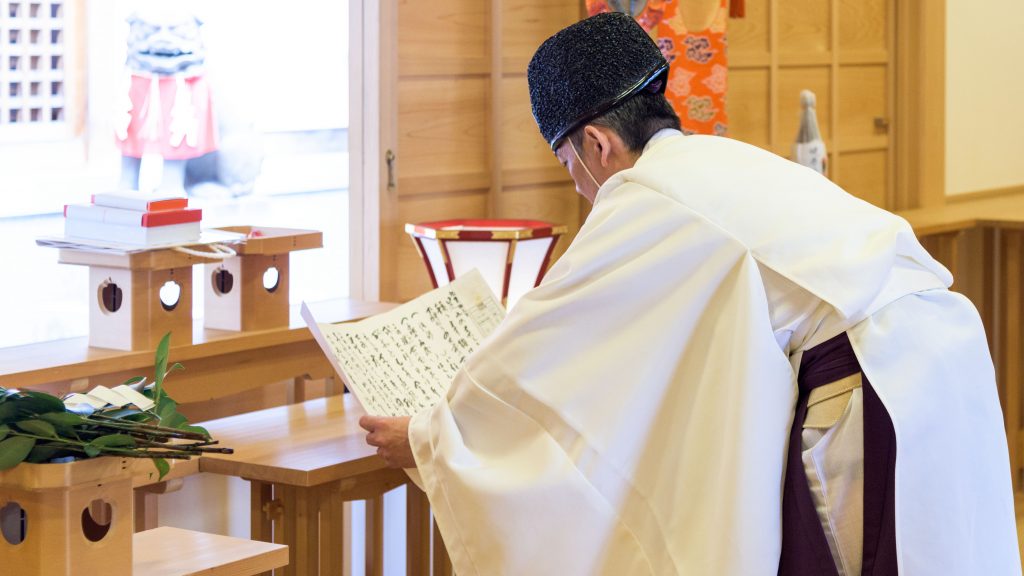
809, 148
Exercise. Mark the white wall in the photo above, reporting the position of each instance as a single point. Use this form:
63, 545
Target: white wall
984, 95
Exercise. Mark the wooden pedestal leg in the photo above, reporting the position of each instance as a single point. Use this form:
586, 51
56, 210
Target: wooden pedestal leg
297, 390
146, 502
346, 549
375, 536
442, 563
417, 532
332, 529
145, 510
1012, 337
301, 530
262, 510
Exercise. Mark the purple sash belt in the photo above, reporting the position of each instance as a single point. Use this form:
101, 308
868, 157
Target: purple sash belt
805, 551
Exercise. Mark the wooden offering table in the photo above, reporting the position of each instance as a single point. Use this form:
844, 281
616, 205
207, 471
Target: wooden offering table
170, 551
217, 363
304, 461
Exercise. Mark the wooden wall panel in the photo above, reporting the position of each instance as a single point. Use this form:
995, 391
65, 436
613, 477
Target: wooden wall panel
531, 183
465, 127
805, 25
748, 106
466, 143
556, 203
442, 37
839, 49
442, 134
748, 36
524, 147
527, 23
862, 25
863, 175
864, 98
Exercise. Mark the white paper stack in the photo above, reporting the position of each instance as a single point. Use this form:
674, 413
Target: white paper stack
133, 218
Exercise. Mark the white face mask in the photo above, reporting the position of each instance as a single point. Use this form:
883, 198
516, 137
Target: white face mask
582, 163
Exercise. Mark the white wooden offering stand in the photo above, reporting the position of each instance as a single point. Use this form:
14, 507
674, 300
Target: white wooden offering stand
76, 519
250, 290
126, 311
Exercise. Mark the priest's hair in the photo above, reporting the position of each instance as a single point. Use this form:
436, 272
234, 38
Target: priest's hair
635, 120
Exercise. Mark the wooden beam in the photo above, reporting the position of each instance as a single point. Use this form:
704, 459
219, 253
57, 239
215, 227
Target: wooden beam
494, 133
920, 104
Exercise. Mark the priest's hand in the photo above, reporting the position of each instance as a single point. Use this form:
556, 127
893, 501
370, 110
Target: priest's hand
391, 437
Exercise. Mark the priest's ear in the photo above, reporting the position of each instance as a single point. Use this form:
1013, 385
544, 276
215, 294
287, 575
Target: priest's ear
600, 139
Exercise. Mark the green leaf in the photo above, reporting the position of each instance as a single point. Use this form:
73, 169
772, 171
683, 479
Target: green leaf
174, 420
14, 450
91, 451
4, 431
40, 402
38, 427
166, 408
162, 467
44, 453
8, 412
113, 441
196, 429
134, 381
162, 351
63, 421
145, 417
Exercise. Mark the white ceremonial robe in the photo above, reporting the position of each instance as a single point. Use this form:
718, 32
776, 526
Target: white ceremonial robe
631, 415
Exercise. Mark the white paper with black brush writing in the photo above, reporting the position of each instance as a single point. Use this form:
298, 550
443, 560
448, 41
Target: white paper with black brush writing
402, 361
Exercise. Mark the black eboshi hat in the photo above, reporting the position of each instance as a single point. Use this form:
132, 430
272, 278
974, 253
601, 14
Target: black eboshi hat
587, 69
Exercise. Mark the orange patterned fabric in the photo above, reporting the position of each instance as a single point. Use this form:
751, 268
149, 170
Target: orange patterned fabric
698, 63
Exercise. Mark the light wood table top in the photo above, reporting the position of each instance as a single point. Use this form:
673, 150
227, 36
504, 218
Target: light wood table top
1005, 211
305, 444
167, 551
72, 358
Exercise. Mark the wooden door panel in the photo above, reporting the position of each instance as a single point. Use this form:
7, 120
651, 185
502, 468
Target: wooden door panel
864, 98
442, 129
442, 37
840, 50
527, 23
748, 106
862, 25
748, 36
863, 174
557, 203
524, 149
804, 27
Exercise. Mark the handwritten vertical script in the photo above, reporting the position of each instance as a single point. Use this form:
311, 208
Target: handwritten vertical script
404, 360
